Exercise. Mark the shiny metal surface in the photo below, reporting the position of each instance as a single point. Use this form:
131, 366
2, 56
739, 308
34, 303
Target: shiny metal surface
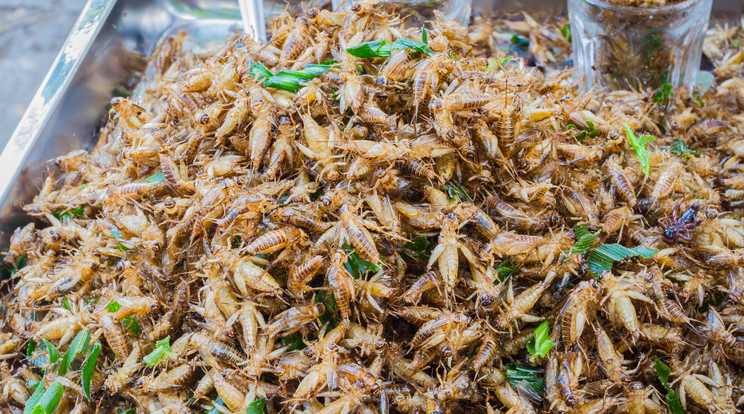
254, 22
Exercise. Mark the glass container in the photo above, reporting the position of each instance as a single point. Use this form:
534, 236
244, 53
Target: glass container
622, 47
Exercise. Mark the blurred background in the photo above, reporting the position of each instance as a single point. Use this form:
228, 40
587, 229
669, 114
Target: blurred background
33, 31
31, 34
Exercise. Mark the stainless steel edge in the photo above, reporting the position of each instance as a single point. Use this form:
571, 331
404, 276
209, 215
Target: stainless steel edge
63, 70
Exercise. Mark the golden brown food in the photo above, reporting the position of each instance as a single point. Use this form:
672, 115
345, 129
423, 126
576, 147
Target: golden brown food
424, 225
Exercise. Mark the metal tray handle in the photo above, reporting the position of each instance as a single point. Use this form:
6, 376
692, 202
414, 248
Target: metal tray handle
58, 78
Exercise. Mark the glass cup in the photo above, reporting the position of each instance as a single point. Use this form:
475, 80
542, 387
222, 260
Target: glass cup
621, 47
420, 11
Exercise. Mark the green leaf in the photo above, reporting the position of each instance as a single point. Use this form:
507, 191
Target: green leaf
381, 48
408, 43
260, 72
457, 192
526, 378
520, 41
699, 99
639, 145
663, 371
131, 323
33, 400
121, 247
294, 341
462, 190
419, 248
584, 240
540, 344
79, 345
115, 233
155, 178
663, 94
19, 263
161, 351
287, 80
566, 32
130, 411
356, 266
51, 351
505, 270
31, 348
66, 304
366, 49
329, 316
594, 131
256, 407
602, 258
113, 306
75, 213
675, 406
88, 367
51, 398
680, 147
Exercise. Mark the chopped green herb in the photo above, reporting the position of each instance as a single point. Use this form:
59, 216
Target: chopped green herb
680, 147
520, 41
663, 94
356, 266
88, 367
602, 258
47, 402
672, 399
121, 247
260, 72
699, 99
157, 177
639, 146
33, 400
79, 345
294, 341
505, 270
130, 411
381, 48
419, 248
329, 316
161, 351
526, 379
256, 407
540, 344
113, 306
131, 323
457, 192
287, 80
75, 213
584, 240
66, 304
31, 348
115, 233
566, 32
51, 351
